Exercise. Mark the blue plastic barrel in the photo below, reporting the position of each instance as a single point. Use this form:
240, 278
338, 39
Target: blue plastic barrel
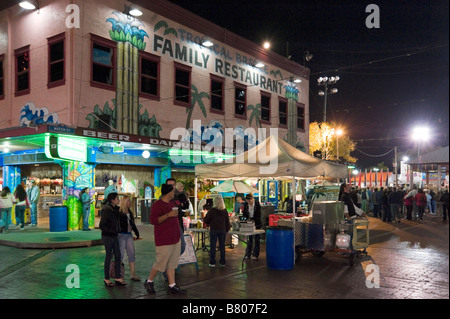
280, 248
58, 218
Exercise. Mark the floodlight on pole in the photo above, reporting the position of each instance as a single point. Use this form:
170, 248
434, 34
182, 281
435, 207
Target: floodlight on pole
325, 81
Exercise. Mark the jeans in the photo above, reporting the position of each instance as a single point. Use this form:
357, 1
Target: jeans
421, 210
126, 243
376, 210
33, 213
86, 213
249, 249
20, 215
112, 248
433, 207
5, 215
395, 211
409, 209
183, 243
214, 236
444, 212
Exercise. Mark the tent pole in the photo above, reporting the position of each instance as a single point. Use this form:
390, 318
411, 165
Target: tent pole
195, 198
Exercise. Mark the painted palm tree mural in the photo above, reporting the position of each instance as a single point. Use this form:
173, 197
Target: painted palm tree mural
124, 113
196, 98
256, 114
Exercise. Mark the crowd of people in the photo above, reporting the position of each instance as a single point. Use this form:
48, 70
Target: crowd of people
22, 198
392, 204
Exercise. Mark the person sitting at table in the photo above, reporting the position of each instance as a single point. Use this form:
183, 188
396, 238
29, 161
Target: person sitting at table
252, 211
219, 224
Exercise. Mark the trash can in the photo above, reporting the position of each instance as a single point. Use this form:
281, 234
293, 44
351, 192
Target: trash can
145, 205
280, 247
58, 218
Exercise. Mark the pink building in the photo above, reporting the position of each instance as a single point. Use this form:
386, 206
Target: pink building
92, 70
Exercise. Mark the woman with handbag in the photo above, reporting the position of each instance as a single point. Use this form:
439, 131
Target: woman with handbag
109, 225
21, 201
126, 240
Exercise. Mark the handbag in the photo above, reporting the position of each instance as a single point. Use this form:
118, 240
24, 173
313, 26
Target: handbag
112, 271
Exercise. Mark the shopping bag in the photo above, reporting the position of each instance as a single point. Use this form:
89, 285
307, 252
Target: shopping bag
27, 216
112, 271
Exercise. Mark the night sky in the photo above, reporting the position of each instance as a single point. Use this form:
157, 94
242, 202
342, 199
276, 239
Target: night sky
391, 78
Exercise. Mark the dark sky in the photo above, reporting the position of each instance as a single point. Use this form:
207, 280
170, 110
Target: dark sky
391, 78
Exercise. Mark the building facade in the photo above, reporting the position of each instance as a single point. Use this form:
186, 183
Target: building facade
91, 71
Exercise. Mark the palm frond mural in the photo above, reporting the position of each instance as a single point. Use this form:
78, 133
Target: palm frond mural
148, 126
291, 91
255, 114
126, 29
95, 117
196, 98
167, 30
276, 73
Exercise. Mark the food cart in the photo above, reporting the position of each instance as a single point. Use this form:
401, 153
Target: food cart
327, 230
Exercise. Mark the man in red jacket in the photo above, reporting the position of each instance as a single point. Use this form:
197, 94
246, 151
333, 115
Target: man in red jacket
164, 217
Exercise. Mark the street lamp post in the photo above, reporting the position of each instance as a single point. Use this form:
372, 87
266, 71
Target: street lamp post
339, 132
325, 81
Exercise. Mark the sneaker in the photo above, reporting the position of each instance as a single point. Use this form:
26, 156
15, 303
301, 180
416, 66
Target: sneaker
19, 226
212, 265
175, 290
149, 287
222, 266
254, 258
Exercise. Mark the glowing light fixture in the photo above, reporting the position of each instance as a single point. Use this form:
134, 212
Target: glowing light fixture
259, 64
206, 42
135, 11
29, 4
145, 154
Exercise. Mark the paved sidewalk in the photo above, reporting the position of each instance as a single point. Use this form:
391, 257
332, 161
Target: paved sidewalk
412, 259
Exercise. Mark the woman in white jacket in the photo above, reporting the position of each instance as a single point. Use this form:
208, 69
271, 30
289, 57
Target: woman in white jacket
6, 204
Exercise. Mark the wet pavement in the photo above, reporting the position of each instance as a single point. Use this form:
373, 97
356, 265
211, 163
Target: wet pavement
407, 260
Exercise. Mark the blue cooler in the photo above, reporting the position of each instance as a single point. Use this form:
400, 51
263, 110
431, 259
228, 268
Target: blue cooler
280, 247
58, 218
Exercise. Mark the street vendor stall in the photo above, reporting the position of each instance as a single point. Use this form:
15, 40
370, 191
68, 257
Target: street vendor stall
272, 158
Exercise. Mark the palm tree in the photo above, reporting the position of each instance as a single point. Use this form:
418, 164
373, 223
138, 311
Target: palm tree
256, 114
196, 98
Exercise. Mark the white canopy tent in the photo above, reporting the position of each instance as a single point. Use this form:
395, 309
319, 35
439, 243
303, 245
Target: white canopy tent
272, 158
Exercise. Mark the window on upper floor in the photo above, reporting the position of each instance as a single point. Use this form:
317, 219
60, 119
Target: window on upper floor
265, 107
282, 111
240, 100
182, 84
56, 60
22, 57
2, 77
149, 75
103, 63
217, 93
301, 116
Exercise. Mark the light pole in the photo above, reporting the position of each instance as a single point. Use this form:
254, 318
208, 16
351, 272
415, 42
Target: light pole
325, 81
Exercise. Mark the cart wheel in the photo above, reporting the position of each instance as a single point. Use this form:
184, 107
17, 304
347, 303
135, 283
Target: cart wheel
351, 259
318, 253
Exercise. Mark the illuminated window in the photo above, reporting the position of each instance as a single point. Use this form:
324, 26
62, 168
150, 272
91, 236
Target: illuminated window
56, 64
22, 70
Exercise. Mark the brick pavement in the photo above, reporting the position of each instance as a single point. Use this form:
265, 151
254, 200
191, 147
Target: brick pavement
412, 259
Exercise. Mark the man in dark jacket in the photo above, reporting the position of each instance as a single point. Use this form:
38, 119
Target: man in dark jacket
252, 211
395, 199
